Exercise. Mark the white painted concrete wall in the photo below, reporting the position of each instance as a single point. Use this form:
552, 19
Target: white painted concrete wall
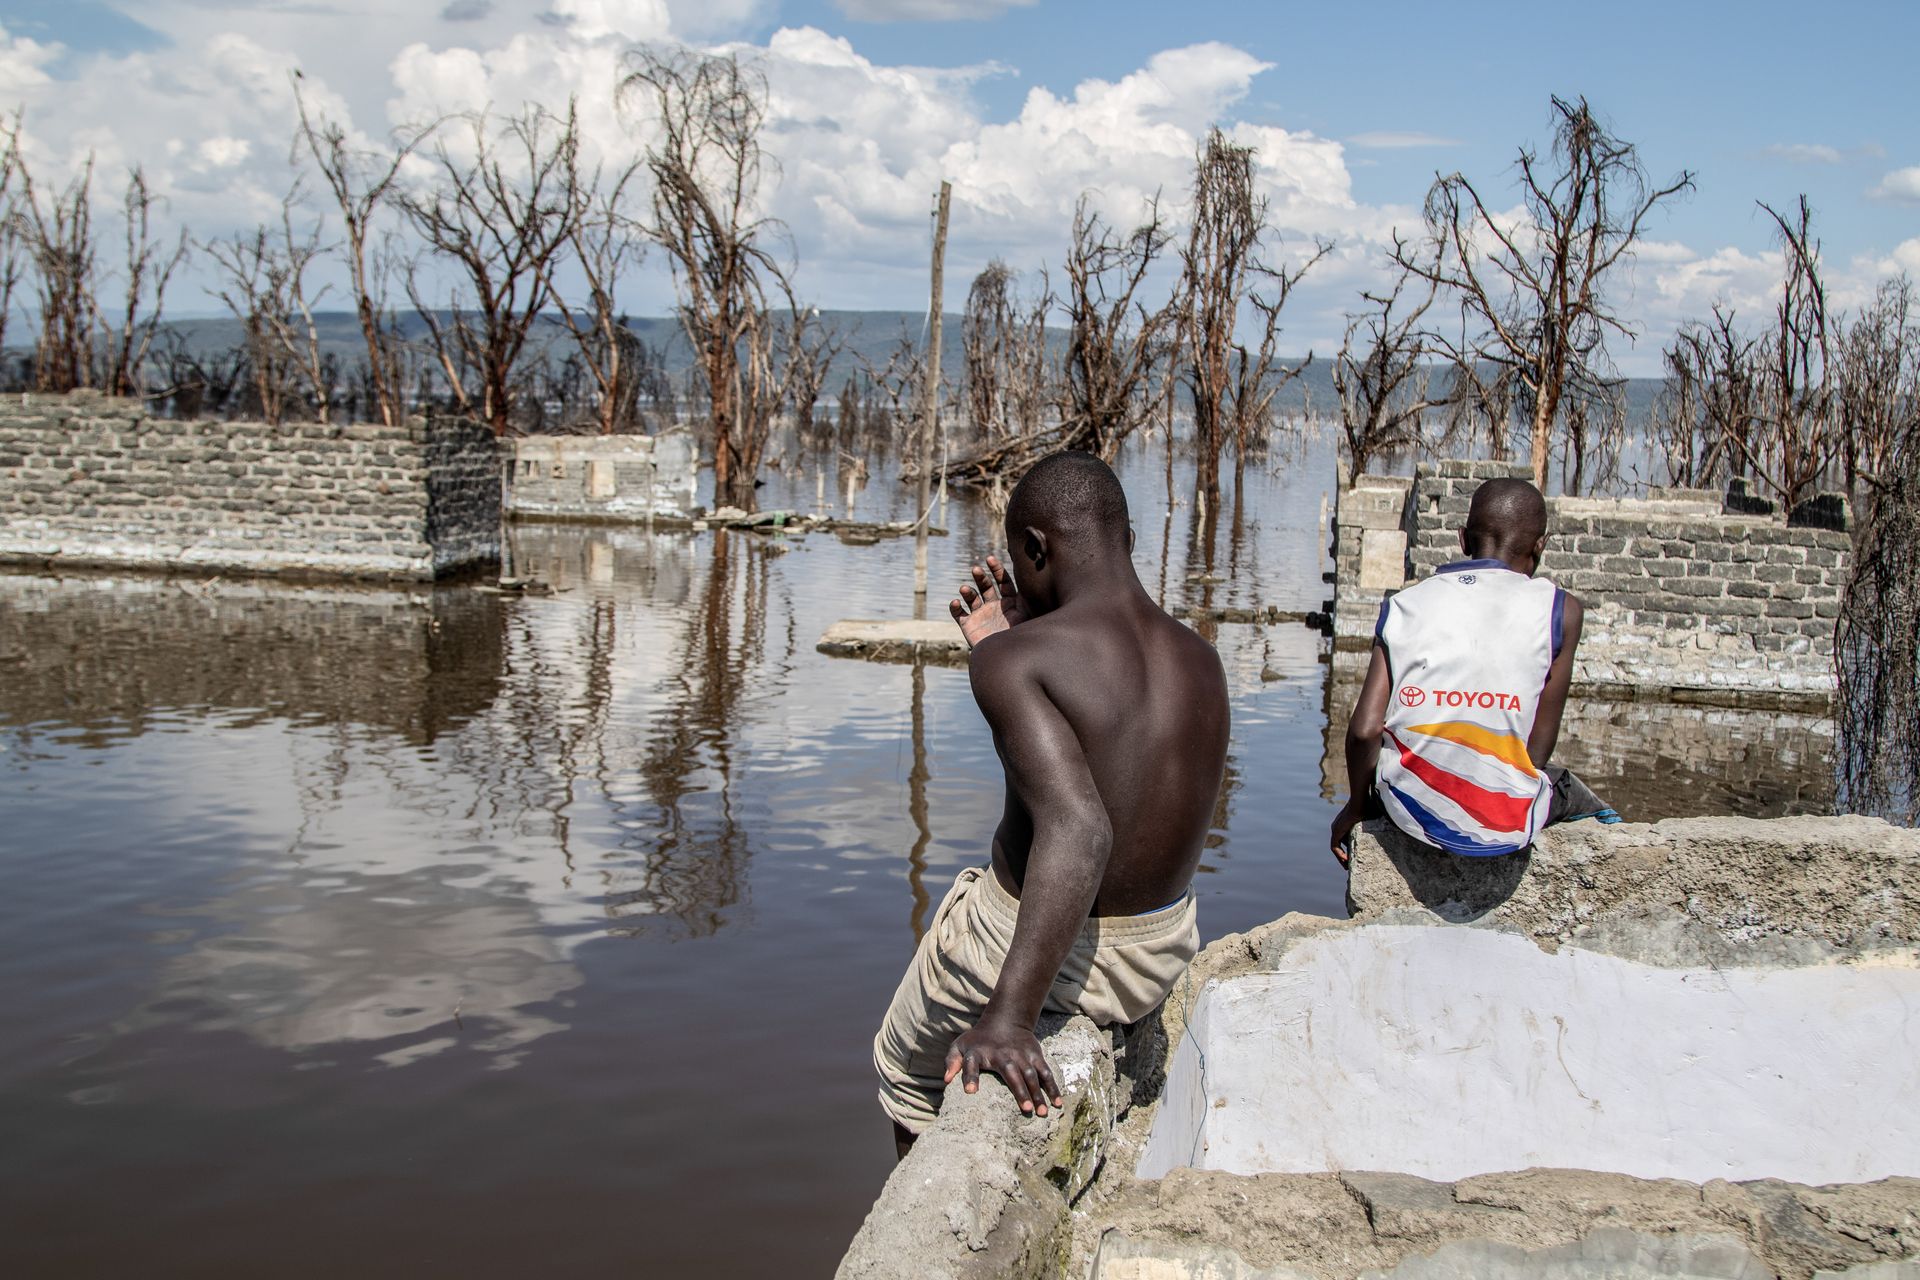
1448, 1052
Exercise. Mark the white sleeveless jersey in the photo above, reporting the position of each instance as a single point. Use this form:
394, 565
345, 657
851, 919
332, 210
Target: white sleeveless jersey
1468, 650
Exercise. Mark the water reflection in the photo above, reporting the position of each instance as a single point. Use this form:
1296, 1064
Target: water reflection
631, 688
917, 779
106, 654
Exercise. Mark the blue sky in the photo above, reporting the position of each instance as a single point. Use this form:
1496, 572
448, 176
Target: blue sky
1355, 107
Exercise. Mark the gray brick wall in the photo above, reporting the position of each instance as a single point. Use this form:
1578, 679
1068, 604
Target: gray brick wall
610, 478
1681, 596
90, 480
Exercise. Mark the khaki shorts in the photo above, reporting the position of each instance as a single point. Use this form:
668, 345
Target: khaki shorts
1120, 969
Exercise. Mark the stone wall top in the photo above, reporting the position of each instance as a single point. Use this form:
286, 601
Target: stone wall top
1684, 891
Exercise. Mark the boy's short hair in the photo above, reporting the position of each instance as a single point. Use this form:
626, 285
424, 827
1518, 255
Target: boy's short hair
1070, 492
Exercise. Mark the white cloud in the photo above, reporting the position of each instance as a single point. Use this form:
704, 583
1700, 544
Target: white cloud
1662, 251
224, 152
926, 10
23, 63
1395, 140
1901, 184
1804, 153
626, 19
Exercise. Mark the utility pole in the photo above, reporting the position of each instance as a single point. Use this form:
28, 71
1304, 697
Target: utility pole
930, 409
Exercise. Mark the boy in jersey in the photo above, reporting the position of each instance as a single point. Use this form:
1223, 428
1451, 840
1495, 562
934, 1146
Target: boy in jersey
1462, 701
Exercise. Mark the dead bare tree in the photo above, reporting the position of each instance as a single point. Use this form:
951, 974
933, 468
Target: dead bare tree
1223, 272
12, 243
1114, 341
294, 325
705, 159
453, 346
60, 243
254, 286
984, 331
1595, 428
896, 380
1536, 293
1877, 384
1794, 442
1382, 376
200, 383
606, 242
766, 380
1028, 378
149, 270
361, 181
810, 347
1704, 421
500, 211
1877, 649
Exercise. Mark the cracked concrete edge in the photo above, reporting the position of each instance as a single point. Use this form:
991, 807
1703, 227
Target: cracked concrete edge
1679, 893
154, 556
1604, 1254
986, 1191
1536, 1222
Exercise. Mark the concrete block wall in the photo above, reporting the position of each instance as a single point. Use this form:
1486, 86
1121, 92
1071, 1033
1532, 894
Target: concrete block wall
614, 478
1369, 551
1682, 598
88, 480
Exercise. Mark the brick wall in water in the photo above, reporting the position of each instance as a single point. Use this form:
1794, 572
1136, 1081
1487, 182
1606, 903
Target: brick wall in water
615, 479
88, 480
1684, 599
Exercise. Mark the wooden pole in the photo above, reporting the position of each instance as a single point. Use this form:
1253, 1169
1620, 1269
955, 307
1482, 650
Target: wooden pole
930, 408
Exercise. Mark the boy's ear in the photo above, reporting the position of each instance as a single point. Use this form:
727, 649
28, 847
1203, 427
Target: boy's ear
1129, 539
1539, 549
1463, 540
1035, 547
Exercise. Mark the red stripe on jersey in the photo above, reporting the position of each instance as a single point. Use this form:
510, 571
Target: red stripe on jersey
1494, 810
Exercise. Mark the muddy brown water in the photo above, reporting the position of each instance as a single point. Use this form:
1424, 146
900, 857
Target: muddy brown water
431, 932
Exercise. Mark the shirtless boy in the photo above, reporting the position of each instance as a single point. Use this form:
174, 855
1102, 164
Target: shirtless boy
1110, 719
1461, 708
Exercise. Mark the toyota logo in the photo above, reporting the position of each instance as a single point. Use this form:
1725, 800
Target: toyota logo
1412, 695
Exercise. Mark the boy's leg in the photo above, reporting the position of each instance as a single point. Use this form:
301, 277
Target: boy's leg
1573, 800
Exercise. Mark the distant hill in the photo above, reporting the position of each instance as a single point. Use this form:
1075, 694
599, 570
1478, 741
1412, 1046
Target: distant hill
870, 336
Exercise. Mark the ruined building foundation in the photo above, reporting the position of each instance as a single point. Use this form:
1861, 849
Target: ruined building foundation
1666, 1050
89, 481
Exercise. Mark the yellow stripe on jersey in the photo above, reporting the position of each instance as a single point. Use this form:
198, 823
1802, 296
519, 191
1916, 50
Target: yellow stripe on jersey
1488, 742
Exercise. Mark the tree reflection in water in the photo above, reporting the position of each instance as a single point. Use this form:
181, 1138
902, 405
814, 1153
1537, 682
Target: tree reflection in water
694, 855
917, 778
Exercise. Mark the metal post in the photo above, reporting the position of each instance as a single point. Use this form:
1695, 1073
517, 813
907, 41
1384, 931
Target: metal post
930, 410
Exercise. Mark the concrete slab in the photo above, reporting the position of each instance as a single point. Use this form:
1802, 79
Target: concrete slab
934, 641
1389, 1048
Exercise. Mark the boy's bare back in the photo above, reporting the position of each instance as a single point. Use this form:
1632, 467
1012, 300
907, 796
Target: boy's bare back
1146, 702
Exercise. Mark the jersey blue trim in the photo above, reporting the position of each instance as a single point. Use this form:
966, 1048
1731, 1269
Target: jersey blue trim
1559, 620
1446, 837
1460, 566
1380, 623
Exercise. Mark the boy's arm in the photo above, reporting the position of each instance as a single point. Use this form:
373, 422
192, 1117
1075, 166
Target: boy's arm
1072, 841
1553, 697
1364, 731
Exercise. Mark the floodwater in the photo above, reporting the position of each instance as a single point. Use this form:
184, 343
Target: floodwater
397, 933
